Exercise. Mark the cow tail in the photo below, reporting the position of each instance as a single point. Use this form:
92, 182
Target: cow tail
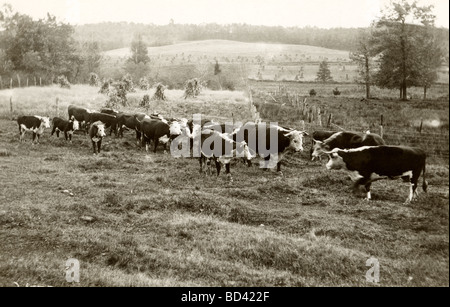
424, 183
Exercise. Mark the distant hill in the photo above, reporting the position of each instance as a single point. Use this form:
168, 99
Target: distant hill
222, 49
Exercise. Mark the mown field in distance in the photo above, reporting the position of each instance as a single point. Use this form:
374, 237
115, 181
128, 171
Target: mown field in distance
275, 62
158, 222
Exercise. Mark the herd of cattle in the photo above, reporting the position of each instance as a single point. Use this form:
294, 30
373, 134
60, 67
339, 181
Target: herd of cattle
364, 155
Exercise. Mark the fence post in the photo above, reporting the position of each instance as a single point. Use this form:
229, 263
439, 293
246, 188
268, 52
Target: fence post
27, 81
10, 83
319, 117
40, 81
329, 120
421, 124
18, 79
57, 111
381, 126
11, 107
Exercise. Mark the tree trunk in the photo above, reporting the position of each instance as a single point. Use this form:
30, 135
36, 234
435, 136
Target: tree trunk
367, 77
425, 92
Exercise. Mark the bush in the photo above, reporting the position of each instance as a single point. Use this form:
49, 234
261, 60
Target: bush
192, 88
159, 93
63, 82
336, 92
127, 81
105, 88
145, 102
312, 92
144, 84
94, 80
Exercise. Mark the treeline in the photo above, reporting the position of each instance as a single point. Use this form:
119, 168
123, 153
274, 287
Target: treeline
114, 35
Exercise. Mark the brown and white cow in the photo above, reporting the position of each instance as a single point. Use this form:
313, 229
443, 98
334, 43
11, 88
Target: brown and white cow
345, 140
33, 123
66, 126
386, 161
96, 134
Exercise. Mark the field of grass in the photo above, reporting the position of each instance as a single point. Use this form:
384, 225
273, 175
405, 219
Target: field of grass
155, 221
273, 61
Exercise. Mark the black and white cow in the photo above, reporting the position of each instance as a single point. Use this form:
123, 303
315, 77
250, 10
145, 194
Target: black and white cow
270, 142
96, 134
220, 148
158, 131
110, 121
82, 115
387, 161
131, 121
67, 126
319, 135
109, 111
34, 123
345, 140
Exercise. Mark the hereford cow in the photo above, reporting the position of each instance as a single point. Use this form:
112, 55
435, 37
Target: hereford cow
319, 136
158, 131
82, 115
110, 121
220, 148
131, 121
96, 134
389, 161
345, 140
270, 142
67, 126
109, 111
35, 123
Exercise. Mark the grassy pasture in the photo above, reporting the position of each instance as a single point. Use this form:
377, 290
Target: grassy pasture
158, 222
274, 62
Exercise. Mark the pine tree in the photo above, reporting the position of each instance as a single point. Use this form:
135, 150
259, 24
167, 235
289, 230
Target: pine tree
139, 52
324, 74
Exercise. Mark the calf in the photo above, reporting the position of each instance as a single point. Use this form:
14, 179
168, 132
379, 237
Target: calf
345, 140
390, 161
35, 123
67, 126
110, 121
96, 134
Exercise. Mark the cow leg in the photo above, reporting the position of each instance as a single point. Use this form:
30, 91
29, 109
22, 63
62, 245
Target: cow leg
200, 160
138, 136
218, 166
34, 136
367, 187
94, 147
156, 141
66, 136
53, 131
228, 172
99, 145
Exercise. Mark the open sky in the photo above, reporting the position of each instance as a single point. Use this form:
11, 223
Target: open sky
319, 13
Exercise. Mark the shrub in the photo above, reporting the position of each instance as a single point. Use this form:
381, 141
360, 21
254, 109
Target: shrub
105, 87
145, 102
192, 88
336, 92
144, 84
94, 80
63, 82
159, 93
127, 81
312, 92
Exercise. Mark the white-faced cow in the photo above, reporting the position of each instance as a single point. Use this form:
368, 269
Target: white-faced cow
110, 121
386, 161
33, 123
158, 131
270, 142
346, 140
320, 135
81, 114
220, 148
67, 126
96, 134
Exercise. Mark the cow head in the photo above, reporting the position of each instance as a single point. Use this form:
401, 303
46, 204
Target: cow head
336, 161
296, 140
100, 129
75, 123
174, 129
45, 122
319, 149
